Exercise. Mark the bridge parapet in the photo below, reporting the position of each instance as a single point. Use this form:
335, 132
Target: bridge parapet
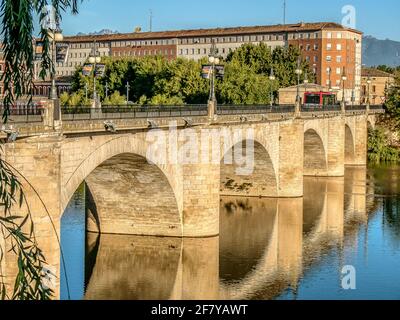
33, 121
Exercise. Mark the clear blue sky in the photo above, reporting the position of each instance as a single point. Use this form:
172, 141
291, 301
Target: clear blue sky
377, 18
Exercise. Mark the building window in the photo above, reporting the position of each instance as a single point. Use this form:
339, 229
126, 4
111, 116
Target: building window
339, 35
329, 46
328, 58
329, 35
315, 58
338, 70
339, 59
308, 47
316, 47
339, 47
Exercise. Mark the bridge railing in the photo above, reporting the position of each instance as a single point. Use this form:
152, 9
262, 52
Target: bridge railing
132, 112
24, 114
356, 107
306, 109
376, 107
253, 109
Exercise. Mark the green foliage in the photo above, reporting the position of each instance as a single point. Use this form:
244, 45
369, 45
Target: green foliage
242, 85
17, 44
388, 69
64, 99
378, 148
260, 59
156, 80
115, 100
392, 104
162, 99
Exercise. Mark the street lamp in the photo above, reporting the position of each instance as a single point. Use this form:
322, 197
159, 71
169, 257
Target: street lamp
94, 59
344, 78
272, 78
214, 60
369, 88
306, 81
299, 72
54, 36
329, 76
127, 92
107, 90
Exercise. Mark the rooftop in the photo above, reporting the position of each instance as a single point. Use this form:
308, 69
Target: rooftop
299, 27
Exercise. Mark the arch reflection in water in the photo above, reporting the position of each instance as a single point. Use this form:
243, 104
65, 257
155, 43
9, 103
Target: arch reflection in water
265, 248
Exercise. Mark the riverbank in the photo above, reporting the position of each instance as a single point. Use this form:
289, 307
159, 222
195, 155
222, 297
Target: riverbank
384, 141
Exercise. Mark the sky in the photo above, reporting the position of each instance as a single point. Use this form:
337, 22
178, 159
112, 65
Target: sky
377, 18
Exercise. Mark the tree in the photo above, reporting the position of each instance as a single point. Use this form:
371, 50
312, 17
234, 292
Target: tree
115, 100
17, 44
261, 60
243, 86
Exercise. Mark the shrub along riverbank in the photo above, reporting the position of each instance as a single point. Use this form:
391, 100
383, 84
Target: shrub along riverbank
384, 140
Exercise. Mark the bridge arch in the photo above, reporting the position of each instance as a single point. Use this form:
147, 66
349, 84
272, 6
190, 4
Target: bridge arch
122, 186
315, 159
248, 170
349, 146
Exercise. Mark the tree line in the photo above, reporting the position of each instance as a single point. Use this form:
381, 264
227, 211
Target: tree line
155, 80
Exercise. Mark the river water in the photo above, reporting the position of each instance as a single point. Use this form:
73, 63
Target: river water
344, 231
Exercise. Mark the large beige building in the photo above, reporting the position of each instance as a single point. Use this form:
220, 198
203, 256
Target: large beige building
375, 84
330, 49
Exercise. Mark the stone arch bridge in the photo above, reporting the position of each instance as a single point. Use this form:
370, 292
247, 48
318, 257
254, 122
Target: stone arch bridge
164, 176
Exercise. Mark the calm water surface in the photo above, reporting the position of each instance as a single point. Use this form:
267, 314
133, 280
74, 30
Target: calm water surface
268, 248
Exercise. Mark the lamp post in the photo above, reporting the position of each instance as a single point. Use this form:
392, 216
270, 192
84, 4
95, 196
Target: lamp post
55, 36
107, 90
127, 86
272, 78
329, 77
369, 92
306, 81
344, 79
298, 72
214, 60
94, 59
212, 101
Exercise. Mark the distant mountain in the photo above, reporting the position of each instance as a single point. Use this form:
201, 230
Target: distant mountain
377, 52
98, 33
